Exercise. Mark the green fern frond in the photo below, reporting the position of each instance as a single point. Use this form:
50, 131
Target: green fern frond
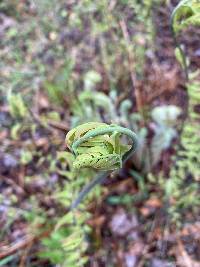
17, 105
185, 14
188, 161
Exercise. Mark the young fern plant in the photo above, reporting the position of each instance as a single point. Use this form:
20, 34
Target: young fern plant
99, 146
186, 13
184, 191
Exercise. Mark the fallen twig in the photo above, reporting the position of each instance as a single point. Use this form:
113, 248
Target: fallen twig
11, 249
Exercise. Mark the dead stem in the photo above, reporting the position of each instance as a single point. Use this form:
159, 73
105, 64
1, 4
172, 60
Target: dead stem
131, 59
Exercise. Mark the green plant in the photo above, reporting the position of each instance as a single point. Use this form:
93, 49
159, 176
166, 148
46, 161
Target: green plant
101, 148
186, 13
66, 245
17, 106
165, 118
61, 85
87, 107
97, 145
183, 191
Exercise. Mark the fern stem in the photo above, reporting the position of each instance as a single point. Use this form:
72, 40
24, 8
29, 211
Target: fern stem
177, 44
86, 189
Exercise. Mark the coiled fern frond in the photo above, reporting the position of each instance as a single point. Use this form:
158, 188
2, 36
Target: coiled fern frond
185, 14
99, 146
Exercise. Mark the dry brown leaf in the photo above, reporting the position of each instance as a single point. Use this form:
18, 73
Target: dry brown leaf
97, 221
150, 206
153, 202
183, 258
123, 186
192, 229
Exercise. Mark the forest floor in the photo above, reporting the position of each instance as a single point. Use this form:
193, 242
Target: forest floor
127, 231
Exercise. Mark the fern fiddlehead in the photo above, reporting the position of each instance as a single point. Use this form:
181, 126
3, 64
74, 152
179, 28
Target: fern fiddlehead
99, 146
186, 13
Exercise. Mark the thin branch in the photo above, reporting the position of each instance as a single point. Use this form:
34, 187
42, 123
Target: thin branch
131, 65
50, 124
15, 247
